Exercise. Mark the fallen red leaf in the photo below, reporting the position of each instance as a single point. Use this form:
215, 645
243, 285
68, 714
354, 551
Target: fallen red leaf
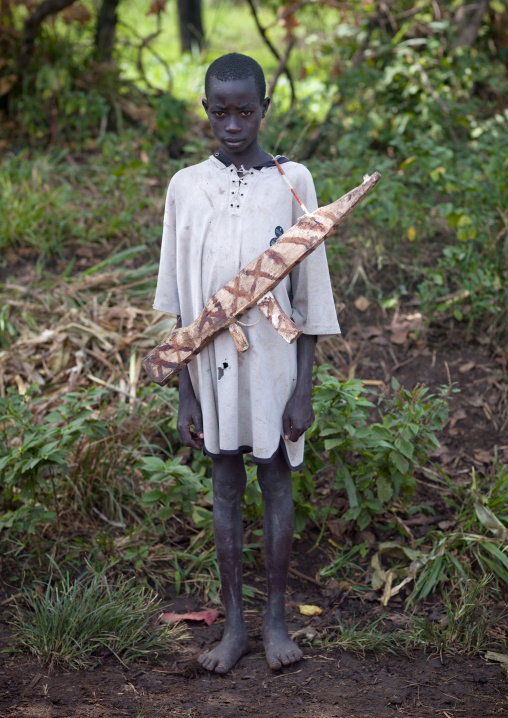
207, 616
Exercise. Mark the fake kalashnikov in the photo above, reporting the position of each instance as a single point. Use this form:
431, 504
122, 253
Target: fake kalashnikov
253, 285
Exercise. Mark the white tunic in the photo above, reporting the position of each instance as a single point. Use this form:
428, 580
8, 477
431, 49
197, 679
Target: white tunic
215, 223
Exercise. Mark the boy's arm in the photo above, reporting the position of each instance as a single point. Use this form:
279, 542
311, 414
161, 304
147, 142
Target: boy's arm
298, 414
189, 413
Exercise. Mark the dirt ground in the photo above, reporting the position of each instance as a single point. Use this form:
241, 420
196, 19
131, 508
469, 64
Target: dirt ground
328, 682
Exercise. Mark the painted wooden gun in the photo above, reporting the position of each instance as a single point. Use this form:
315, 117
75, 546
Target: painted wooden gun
252, 286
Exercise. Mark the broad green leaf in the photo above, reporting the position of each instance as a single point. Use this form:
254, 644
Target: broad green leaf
165, 513
153, 463
488, 519
349, 484
202, 517
405, 447
495, 552
400, 462
333, 443
432, 579
151, 497
384, 489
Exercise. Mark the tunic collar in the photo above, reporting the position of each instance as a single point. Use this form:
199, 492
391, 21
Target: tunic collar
222, 162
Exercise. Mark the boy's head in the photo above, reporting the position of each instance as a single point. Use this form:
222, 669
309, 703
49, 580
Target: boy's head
235, 67
235, 103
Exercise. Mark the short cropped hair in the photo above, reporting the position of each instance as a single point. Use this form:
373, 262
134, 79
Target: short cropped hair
236, 67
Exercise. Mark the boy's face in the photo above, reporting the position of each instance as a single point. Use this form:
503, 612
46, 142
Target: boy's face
235, 112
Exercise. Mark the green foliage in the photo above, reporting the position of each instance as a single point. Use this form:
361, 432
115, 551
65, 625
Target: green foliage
34, 455
466, 626
365, 639
74, 622
464, 629
374, 461
172, 121
477, 541
31, 212
51, 205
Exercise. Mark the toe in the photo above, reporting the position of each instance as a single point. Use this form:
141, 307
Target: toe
208, 662
274, 663
286, 660
296, 655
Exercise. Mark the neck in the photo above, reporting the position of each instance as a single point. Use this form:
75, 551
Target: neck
252, 156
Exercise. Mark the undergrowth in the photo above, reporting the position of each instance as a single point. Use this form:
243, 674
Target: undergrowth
74, 623
465, 628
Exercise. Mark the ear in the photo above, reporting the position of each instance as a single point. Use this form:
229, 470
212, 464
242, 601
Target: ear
265, 104
205, 105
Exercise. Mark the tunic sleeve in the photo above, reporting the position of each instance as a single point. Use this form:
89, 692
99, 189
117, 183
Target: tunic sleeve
166, 294
312, 296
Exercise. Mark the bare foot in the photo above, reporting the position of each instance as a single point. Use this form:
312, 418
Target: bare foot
280, 650
223, 657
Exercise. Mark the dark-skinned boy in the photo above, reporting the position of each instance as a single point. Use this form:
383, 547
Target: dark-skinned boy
235, 107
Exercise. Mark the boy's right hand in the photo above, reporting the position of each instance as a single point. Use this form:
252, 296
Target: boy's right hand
189, 414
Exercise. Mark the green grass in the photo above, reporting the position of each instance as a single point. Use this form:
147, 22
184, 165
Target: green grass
466, 628
74, 623
112, 199
365, 639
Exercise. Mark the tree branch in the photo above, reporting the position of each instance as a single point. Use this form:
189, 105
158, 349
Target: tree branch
358, 57
273, 50
33, 24
281, 67
470, 20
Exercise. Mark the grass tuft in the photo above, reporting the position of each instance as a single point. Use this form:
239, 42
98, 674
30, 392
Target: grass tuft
368, 639
467, 625
75, 622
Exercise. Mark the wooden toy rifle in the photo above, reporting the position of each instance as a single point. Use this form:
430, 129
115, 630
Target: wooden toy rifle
253, 285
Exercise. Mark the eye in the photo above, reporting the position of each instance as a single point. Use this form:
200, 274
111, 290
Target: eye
246, 113
219, 113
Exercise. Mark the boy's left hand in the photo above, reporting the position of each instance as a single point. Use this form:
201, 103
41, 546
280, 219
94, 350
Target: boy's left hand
298, 415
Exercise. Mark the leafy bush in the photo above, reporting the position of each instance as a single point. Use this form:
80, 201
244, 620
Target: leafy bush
34, 455
374, 461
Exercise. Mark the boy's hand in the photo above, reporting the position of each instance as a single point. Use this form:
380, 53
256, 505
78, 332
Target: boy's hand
189, 414
298, 416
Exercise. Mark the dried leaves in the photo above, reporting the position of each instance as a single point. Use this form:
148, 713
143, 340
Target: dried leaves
78, 12
83, 333
157, 7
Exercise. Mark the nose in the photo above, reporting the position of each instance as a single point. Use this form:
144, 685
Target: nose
232, 124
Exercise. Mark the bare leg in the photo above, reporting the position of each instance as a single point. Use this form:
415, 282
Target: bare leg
228, 488
275, 482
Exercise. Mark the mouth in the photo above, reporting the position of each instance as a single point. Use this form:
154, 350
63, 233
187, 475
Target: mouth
233, 143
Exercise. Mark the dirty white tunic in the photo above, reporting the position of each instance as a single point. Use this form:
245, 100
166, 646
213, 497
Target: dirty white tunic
215, 223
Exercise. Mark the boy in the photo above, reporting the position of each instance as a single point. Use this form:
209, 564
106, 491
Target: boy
220, 214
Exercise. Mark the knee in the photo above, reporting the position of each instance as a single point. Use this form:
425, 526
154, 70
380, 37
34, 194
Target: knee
229, 484
228, 492
275, 487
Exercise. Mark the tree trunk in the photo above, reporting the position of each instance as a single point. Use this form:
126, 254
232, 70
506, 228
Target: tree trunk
33, 24
191, 24
106, 29
469, 22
